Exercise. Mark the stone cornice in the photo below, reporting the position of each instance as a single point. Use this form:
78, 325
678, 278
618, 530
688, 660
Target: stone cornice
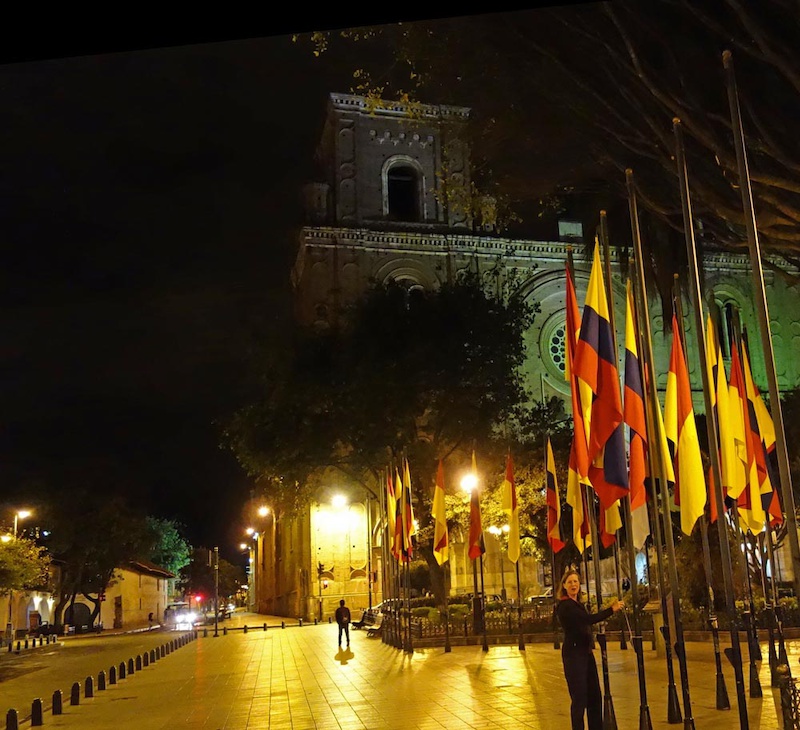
361, 104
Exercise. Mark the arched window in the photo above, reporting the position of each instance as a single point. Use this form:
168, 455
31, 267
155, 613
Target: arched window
403, 193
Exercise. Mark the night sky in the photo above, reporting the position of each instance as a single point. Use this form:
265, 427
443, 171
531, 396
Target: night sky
147, 208
150, 198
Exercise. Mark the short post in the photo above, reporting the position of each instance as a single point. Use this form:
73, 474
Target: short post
138, 662
153, 656
122, 673
12, 720
101, 681
224, 630
88, 687
283, 623
75, 694
265, 624
112, 675
58, 708
37, 718
300, 622
245, 628
26, 642
146, 659
130, 666
205, 633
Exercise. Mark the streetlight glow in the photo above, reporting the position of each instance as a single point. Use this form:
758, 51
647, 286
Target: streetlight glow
339, 501
263, 511
21, 515
469, 482
250, 530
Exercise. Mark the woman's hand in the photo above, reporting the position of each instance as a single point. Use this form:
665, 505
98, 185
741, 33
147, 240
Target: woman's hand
617, 605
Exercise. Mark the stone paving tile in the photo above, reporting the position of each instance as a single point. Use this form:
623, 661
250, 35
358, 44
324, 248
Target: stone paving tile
291, 680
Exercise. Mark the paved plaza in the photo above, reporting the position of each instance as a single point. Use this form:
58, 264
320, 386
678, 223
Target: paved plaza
297, 679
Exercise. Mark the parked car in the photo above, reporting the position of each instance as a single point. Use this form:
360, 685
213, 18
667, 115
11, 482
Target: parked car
544, 597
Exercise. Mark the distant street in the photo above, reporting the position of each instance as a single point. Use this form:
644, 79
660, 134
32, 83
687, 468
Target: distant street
38, 673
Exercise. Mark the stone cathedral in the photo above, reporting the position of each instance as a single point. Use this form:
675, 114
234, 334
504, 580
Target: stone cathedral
380, 213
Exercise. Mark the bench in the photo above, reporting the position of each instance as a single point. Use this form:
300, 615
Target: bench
374, 628
368, 618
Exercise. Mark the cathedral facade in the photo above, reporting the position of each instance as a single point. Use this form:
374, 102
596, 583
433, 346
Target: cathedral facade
390, 206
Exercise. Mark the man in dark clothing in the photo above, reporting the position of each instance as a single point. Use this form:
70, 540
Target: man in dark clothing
343, 619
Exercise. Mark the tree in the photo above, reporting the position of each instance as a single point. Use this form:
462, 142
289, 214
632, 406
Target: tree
606, 80
388, 384
24, 565
169, 548
91, 534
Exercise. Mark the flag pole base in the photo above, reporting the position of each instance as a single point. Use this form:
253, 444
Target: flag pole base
609, 716
644, 718
723, 703
674, 715
755, 683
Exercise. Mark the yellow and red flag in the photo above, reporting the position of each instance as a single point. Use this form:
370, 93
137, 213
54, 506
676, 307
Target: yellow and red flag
690, 489
508, 501
554, 537
409, 528
440, 539
633, 414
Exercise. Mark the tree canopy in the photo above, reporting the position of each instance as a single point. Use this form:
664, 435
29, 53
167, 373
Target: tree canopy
24, 565
420, 373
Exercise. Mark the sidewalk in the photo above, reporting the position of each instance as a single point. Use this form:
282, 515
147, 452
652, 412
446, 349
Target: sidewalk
297, 679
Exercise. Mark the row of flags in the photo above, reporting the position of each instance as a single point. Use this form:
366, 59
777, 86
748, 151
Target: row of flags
614, 466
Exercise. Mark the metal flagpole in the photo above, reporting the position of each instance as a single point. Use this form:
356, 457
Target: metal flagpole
723, 703
655, 467
610, 297
519, 612
609, 716
447, 647
485, 644
763, 318
645, 723
656, 455
712, 429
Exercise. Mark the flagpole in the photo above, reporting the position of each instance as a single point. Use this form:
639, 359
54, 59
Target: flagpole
610, 297
711, 426
723, 702
609, 716
485, 644
763, 318
655, 458
519, 612
447, 647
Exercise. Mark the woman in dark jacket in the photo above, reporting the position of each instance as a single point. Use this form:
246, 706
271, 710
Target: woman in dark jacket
580, 668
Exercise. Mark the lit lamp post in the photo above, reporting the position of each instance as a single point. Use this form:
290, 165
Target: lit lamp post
469, 483
18, 516
252, 597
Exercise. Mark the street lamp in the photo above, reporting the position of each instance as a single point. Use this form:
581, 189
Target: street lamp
21, 515
263, 511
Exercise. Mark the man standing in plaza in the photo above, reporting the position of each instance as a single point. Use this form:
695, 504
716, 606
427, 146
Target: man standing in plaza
343, 619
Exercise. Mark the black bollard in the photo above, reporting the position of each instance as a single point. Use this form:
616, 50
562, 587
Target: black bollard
12, 721
224, 630
315, 621
26, 642
265, 624
146, 659
19, 646
88, 687
122, 673
138, 662
112, 675
37, 719
75, 694
245, 628
58, 707
283, 624
101, 681
153, 656
300, 622
205, 633
130, 666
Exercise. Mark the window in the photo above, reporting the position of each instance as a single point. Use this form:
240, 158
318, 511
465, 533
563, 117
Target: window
402, 184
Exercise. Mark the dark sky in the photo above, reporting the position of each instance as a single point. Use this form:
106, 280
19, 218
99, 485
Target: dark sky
148, 198
150, 187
